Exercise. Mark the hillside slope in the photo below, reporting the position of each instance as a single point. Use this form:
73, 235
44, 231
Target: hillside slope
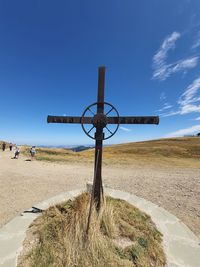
179, 151
182, 152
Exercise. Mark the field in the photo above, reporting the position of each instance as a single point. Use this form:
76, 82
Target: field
182, 152
166, 172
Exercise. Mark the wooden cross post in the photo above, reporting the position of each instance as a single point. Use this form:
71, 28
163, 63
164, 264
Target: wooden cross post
99, 121
99, 136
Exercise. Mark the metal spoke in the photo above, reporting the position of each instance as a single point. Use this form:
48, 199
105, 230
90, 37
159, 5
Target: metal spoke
91, 111
90, 130
109, 111
109, 130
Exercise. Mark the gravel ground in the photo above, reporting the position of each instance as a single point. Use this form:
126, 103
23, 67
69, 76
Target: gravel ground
24, 183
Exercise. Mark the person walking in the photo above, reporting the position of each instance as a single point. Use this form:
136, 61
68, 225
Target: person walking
17, 152
3, 146
10, 146
32, 152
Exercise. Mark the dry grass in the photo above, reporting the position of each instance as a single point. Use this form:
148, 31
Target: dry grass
60, 238
57, 155
181, 152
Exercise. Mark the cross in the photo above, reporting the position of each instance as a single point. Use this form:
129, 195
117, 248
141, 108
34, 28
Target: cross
99, 121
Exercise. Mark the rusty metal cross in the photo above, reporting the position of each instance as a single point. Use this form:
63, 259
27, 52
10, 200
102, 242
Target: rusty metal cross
99, 121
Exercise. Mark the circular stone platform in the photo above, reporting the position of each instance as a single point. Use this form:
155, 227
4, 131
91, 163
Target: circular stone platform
181, 246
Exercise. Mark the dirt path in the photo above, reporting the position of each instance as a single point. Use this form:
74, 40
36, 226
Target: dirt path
24, 183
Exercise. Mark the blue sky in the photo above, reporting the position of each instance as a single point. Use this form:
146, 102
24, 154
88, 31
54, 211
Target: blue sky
49, 57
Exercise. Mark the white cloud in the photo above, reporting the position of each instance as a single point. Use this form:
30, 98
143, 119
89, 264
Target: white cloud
165, 107
189, 101
169, 114
125, 129
168, 44
189, 109
183, 64
197, 119
196, 43
192, 130
162, 70
189, 96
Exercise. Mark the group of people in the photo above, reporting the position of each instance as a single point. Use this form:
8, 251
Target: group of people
4, 146
17, 150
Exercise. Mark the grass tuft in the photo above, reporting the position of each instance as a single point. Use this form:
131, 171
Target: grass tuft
59, 239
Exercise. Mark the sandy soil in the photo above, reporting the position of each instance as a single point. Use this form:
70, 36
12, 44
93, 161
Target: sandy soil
25, 183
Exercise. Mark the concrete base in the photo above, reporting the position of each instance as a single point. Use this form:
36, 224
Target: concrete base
181, 246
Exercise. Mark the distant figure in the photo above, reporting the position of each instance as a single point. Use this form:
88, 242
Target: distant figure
32, 152
10, 146
3, 146
17, 152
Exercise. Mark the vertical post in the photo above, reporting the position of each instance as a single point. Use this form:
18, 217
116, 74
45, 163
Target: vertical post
98, 188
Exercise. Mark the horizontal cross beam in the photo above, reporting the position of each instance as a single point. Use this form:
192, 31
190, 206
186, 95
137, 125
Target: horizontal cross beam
110, 120
133, 120
68, 119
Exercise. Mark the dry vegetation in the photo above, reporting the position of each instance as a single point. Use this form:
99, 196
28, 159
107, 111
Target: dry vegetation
182, 152
57, 155
120, 236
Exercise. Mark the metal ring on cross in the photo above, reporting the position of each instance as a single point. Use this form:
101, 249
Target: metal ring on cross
100, 120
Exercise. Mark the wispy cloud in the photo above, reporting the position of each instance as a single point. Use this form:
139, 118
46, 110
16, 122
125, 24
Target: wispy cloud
191, 130
189, 101
196, 43
162, 70
125, 129
162, 96
166, 70
197, 119
168, 44
169, 113
165, 107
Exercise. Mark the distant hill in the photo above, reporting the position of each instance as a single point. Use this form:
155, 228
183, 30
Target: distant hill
182, 152
80, 148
